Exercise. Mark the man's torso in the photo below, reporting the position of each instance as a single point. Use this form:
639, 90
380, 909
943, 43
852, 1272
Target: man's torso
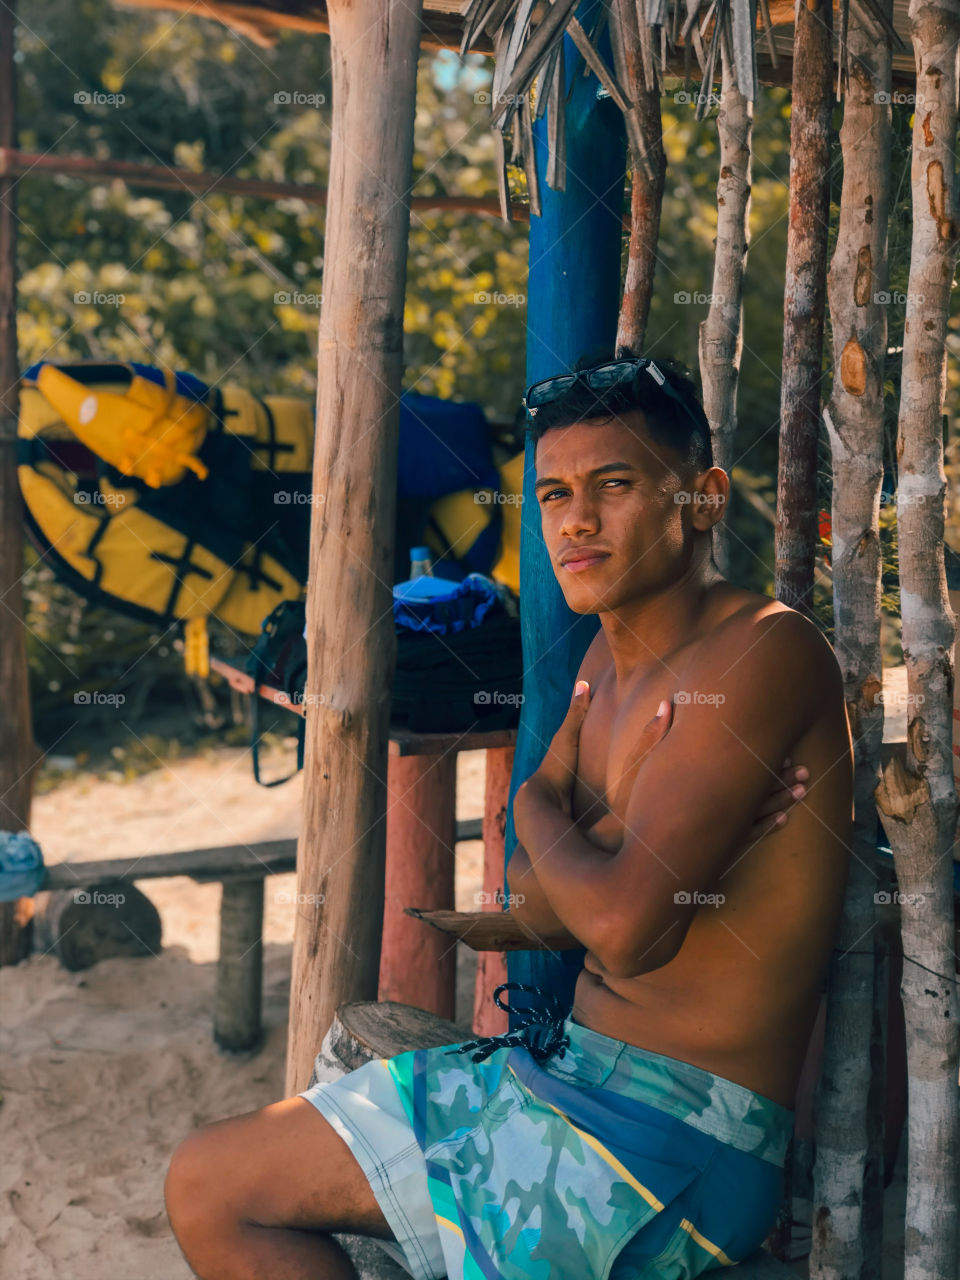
740, 997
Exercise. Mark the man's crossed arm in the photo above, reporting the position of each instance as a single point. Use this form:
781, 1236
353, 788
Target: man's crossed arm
691, 803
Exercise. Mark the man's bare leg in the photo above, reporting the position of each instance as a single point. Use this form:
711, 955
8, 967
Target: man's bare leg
255, 1197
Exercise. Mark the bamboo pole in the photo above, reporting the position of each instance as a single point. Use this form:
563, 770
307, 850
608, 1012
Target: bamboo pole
351, 644
803, 303
721, 333
849, 1104
16, 740
919, 799
648, 162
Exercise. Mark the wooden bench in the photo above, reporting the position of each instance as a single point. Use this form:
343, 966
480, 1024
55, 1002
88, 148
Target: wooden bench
82, 932
361, 1032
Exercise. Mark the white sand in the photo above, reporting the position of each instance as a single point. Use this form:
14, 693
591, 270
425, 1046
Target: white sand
103, 1072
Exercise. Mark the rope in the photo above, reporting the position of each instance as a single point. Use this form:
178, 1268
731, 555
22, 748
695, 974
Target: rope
540, 1031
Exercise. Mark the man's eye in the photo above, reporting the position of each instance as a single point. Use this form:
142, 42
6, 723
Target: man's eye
609, 480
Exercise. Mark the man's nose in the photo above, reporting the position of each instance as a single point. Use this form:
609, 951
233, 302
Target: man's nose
580, 516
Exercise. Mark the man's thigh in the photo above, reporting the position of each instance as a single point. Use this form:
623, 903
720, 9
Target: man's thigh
281, 1166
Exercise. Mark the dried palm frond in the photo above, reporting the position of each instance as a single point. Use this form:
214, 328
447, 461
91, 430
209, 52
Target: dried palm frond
528, 38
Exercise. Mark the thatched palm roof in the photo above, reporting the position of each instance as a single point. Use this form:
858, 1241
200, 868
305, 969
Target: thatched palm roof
443, 27
631, 47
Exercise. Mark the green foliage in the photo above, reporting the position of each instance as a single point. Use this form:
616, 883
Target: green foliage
229, 287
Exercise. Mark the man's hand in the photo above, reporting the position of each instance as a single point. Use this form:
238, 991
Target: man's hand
554, 779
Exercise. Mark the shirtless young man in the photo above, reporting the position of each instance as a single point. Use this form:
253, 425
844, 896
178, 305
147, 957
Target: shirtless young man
643, 1135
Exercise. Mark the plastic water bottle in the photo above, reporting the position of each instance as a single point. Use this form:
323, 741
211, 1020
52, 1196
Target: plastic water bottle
421, 565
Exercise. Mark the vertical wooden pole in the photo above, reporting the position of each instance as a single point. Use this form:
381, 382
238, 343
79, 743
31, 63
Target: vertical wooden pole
646, 191
574, 293
803, 303
418, 965
918, 801
851, 1099
351, 644
17, 751
721, 333
488, 1020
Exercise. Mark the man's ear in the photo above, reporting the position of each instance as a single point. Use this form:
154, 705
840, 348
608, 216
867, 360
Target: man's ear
711, 492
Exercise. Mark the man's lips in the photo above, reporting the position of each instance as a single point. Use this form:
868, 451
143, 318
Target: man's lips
586, 560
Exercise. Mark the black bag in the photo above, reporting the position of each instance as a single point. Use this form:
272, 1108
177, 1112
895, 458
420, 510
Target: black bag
465, 680
470, 680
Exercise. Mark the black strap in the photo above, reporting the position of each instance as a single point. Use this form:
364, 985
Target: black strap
259, 674
539, 1031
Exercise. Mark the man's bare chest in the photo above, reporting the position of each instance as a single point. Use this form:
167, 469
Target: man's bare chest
608, 738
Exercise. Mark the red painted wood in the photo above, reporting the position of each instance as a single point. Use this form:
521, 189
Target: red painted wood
488, 1020
417, 963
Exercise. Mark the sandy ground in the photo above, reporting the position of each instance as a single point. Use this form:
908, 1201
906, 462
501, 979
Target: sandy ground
104, 1071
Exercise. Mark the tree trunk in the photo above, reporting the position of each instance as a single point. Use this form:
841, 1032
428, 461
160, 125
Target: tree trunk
919, 800
803, 303
648, 163
350, 636
17, 752
721, 333
848, 1141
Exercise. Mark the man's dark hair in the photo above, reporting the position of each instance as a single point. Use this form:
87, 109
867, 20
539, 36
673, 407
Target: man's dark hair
682, 427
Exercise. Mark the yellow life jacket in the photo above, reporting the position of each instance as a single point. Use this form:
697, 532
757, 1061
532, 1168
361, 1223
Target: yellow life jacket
171, 500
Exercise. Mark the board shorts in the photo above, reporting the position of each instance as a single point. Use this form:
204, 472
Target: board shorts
600, 1160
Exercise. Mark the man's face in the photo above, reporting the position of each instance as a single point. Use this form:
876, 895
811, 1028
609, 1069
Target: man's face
609, 488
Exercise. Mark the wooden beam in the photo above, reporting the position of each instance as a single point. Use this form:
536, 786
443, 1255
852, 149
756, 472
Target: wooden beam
164, 177
240, 861
223, 862
351, 643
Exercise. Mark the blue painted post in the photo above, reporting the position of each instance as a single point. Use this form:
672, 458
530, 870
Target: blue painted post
573, 298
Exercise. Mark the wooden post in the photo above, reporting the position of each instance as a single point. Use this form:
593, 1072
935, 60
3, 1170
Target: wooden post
573, 292
648, 163
17, 752
488, 1020
803, 303
721, 333
236, 1016
351, 644
919, 800
851, 1099
418, 966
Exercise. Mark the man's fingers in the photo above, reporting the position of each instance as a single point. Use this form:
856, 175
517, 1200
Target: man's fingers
776, 802
797, 773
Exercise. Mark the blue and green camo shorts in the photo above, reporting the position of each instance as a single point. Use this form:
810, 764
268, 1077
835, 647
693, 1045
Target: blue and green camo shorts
600, 1161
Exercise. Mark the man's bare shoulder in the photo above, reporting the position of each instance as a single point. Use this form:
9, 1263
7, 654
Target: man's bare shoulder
759, 641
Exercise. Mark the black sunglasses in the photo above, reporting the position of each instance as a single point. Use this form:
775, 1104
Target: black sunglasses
601, 378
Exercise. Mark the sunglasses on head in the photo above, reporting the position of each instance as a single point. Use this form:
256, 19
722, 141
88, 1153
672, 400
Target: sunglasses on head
601, 378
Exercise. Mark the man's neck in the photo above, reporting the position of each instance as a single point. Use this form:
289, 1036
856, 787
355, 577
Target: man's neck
644, 632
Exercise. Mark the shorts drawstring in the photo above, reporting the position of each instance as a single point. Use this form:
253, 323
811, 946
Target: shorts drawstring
540, 1031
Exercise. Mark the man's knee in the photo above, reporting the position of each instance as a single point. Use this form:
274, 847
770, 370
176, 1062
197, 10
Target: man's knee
201, 1199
